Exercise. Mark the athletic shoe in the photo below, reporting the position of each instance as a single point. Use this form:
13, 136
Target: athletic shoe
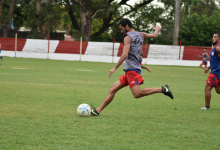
204, 108
148, 69
94, 112
166, 91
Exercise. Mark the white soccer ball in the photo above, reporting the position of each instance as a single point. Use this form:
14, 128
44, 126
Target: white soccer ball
84, 110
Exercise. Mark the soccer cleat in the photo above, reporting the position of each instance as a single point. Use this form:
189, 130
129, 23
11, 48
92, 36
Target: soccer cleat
94, 112
166, 91
148, 69
204, 108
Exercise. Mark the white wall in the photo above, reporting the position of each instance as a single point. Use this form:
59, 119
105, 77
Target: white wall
102, 48
40, 46
96, 58
165, 52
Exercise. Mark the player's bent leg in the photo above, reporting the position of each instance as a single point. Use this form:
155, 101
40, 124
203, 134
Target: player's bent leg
201, 66
144, 92
217, 89
114, 88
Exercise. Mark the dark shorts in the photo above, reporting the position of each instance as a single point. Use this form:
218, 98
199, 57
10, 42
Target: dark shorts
213, 80
131, 78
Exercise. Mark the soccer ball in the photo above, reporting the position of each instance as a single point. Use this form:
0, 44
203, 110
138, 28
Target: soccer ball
84, 110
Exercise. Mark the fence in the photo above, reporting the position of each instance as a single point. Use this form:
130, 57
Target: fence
100, 51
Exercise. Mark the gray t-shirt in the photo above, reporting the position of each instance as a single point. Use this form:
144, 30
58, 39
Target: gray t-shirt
132, 61
203, 57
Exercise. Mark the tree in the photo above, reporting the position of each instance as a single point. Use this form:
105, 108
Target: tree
42, 17
6, 15
198, 30
107, 10
177, 22
204, 7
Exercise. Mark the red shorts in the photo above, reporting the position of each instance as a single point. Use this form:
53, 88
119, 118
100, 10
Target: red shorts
204, 63
131, 78
213, 80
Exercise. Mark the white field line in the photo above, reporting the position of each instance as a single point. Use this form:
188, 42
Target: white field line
81, 70
15, 73
19, 68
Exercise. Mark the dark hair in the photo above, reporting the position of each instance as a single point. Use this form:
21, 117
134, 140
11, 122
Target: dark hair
125, 22
205, 48
218, 33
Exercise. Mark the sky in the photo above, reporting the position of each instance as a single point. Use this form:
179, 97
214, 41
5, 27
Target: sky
155, 2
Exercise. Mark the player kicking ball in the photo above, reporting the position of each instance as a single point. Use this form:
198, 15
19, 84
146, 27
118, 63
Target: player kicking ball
214, 77
133, 42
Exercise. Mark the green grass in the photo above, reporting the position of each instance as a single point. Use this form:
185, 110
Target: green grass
39, 99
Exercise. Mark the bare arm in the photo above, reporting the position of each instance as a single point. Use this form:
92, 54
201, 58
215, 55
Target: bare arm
218, 50
143, 67
154, 35
124, 55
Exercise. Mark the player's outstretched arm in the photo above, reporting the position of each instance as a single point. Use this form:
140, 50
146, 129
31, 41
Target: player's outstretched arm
124, 55
147, 68
154, 35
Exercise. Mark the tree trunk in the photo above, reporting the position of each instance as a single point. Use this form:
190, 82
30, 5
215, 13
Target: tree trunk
1, 7
85, 14
177, 22
44, 29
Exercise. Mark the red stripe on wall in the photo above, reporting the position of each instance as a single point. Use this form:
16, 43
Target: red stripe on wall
192, 52
71, 47
120, 50
9, 44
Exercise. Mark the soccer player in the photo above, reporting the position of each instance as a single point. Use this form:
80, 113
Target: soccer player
133, 42
205, 57
214, 77
0, 52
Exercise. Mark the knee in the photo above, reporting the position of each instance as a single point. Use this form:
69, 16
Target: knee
218, 91
112, 90
137, 95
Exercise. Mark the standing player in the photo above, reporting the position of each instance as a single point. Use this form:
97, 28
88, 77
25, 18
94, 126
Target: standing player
0, 52
133, 42
214, 77
205, 57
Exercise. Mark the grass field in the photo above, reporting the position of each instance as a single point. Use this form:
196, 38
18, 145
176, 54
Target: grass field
39, 99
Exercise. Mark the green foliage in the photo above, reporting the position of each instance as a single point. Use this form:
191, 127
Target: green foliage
204, 7
160, 40
47, 18
198, 30
6, 16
